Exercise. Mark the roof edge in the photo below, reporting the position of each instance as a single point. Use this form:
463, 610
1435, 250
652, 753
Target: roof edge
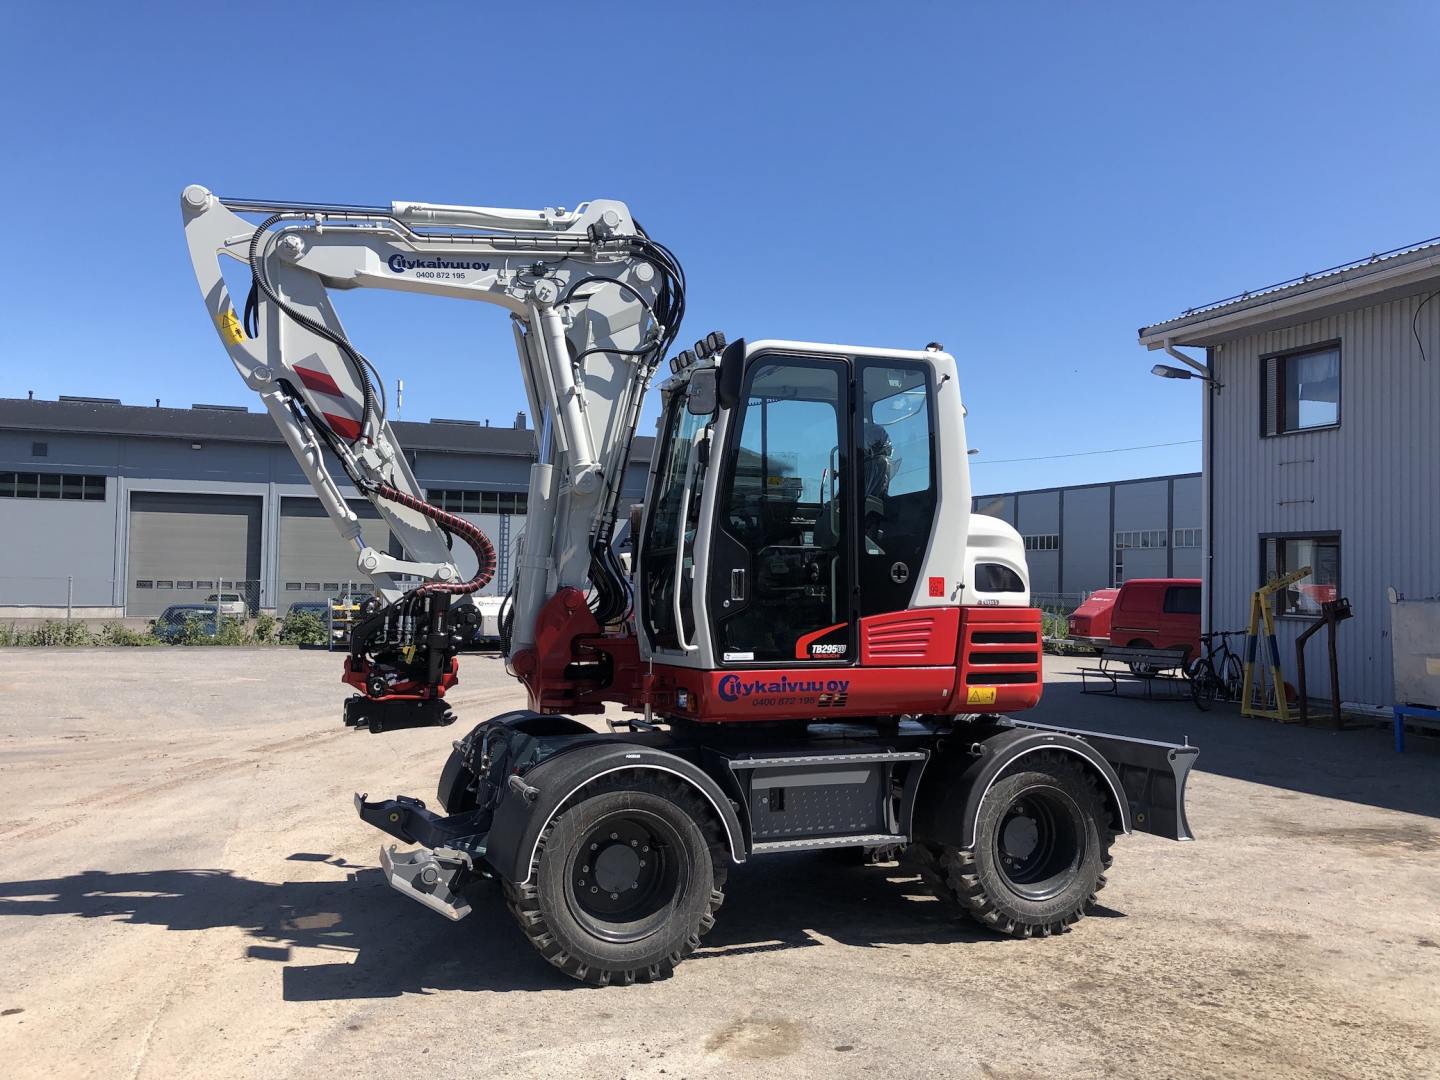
1305, 295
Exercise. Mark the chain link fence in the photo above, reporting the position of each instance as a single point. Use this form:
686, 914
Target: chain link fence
57, 597
84, 609
1062, 603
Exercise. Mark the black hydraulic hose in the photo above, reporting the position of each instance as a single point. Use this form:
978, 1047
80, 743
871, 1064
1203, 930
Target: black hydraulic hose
359, 365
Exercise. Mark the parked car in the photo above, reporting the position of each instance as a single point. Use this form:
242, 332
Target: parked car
176, 618
1090, 622
1158, 613
230, 603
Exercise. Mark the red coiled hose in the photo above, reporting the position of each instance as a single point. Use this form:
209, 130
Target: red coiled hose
478, 541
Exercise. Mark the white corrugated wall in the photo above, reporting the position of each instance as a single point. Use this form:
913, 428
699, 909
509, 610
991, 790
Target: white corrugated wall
1375, 480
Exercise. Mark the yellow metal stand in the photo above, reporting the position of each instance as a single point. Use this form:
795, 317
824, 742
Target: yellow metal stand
1262, 615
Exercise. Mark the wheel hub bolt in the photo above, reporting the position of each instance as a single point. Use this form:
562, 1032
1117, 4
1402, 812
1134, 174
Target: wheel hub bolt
614, 896
593, 889
614, 836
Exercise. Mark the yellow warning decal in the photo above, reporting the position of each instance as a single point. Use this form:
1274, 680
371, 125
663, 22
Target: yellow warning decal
229, 325
980, 695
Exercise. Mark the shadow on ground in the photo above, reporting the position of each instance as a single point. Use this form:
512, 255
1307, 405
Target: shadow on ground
1357, 765
391, 946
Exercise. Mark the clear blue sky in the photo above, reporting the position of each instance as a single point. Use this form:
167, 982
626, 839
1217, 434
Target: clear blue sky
1026, 186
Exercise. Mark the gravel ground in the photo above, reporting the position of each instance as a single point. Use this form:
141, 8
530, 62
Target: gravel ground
187, 892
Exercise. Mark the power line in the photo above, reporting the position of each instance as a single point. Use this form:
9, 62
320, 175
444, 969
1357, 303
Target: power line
1085, 453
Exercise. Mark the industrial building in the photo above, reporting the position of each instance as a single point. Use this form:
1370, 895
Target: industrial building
1093, 536
110, 510
1319, 449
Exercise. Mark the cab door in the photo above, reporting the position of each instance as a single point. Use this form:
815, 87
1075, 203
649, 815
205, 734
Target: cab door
781, 564
897, 492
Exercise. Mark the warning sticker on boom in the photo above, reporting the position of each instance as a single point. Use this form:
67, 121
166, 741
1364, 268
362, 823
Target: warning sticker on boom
229, 325
980, 695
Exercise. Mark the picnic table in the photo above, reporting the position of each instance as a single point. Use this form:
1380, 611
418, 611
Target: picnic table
1125, 666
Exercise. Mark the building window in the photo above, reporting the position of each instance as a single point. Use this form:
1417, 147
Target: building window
39, 449
478, 502
292, 586
1281, 555
144, 584
1187, 538
164, 584
1042, 542
185, 584
1134, 538
29, 485
1140, 538
1301, 390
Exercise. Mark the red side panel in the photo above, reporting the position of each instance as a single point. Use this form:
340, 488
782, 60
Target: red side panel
1000, 659
801, 693
920, 637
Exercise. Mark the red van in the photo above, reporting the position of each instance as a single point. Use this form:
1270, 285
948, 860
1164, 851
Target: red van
1158, 613
1090, 622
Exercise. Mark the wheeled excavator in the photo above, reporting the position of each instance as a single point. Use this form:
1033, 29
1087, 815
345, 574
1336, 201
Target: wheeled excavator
805, 639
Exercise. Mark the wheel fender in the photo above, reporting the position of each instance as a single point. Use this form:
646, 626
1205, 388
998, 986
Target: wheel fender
522, 817
950, 796
456, 788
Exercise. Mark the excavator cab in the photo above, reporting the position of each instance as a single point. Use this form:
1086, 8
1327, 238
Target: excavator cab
808, 510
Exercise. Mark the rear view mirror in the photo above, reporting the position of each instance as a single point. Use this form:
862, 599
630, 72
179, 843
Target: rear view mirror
703, 394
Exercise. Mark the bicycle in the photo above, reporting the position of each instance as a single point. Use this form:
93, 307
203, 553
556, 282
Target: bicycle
1217, 674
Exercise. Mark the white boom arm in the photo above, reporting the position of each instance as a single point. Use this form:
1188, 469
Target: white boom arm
595, 304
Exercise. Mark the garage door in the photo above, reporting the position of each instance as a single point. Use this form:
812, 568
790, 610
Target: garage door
182, 546
315, 564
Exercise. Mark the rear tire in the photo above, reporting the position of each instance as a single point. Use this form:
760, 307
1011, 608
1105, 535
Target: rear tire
1042, 846
1204, 685
626, 878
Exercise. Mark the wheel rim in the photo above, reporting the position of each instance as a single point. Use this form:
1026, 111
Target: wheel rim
1040, 843
625, 876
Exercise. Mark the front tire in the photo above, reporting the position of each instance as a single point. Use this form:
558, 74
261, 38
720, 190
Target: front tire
1140, 667
625, 880
1042, 846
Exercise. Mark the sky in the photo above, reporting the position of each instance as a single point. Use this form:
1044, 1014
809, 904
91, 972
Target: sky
1025, 183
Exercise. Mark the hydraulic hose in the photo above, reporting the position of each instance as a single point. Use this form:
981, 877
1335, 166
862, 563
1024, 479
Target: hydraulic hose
359, 365
453, 523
